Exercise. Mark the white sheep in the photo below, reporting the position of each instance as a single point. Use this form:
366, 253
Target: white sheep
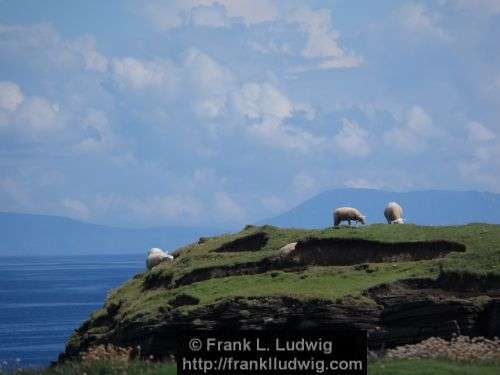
347, 213
288, 248
156, 256
393, 213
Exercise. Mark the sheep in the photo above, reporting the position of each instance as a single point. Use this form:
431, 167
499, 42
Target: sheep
393, 213
347, 213
288, 248
156, 256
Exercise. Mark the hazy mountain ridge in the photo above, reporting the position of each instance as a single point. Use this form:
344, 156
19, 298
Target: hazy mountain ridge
23, 234
431, 207
45, 234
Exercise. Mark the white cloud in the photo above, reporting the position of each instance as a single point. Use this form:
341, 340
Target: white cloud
38, 114
41, 43
415, 133
210, 108
206, 76
266, 108
169, 14
416, 18
273, 132
256, 100
76, 207
352, 140
95, 61
478, 132
141, 74
322, 40
10, 96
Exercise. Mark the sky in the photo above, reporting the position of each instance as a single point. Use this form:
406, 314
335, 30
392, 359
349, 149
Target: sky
225, 112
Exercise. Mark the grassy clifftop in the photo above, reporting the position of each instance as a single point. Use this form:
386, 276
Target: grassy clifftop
334, 266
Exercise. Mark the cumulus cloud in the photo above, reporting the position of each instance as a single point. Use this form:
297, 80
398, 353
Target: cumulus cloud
352, 140
205, 75
322, 40
266, 108
140, 74
322, 48
272, 132
170, 14
413, 135
28, 115
256, 100
10, 96
41, 43
39, 114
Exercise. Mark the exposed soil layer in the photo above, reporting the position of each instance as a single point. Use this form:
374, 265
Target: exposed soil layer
252, 242
323, 252
349, 251
201, 274
400, 313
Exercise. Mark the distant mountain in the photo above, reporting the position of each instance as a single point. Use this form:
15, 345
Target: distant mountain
23, 234
432, 207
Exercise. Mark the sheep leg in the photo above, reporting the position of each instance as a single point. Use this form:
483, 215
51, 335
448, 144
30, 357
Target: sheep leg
336, 221
349, 222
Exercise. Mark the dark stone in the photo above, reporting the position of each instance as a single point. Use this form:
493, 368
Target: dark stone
184, 300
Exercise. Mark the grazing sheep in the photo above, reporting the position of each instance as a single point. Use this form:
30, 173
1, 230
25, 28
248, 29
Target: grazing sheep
347, 213
156, 256
288, 248
393, 213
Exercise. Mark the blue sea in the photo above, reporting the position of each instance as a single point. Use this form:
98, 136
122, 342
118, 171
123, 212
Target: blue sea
44, 299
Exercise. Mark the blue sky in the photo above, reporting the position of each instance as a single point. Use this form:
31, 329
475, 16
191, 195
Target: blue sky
229, 111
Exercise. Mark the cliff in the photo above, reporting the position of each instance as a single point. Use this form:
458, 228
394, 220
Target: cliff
403, 283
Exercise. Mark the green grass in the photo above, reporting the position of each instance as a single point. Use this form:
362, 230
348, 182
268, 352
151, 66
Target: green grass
432, 367
138, 302
482, 257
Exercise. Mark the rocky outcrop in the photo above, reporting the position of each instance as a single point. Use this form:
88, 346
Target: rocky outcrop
393, 314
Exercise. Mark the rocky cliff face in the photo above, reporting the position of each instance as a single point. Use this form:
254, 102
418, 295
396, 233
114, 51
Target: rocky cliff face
395, 314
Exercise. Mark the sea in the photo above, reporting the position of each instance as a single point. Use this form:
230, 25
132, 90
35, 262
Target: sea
44, 299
